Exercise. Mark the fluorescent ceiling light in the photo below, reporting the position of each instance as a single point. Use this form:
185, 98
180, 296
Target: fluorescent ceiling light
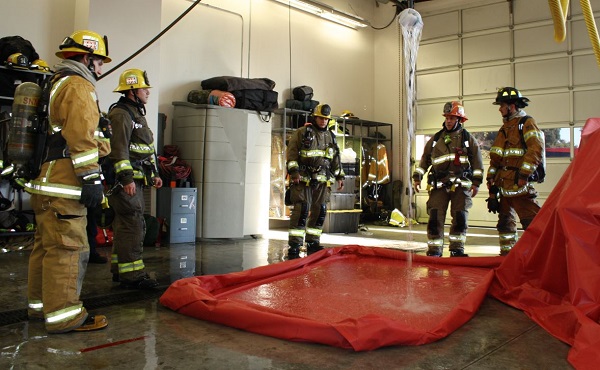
327, 12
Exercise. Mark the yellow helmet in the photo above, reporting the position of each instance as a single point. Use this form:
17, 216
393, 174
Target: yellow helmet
40, 64
322, 110
133, 79
84, 42
17, 60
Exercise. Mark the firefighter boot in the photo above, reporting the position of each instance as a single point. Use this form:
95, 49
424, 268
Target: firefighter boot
312, 247
93, 322
143, 282
434, 252
458, 253
293, 251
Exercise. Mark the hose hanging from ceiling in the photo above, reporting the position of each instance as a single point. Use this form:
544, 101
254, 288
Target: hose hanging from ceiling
559, 9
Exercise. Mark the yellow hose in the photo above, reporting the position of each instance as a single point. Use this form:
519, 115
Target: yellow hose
590, 23
559, 9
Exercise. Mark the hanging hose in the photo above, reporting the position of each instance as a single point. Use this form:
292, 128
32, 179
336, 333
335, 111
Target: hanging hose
196, 2
559, 9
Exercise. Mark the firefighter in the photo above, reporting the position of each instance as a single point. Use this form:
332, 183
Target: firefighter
513, 158
134, 165
454, 177
313, 165
69, 182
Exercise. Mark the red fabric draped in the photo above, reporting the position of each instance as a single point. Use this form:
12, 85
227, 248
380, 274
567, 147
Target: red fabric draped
553, 272
365, 298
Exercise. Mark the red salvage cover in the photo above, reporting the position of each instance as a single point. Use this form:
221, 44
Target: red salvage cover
350, 297
553, 272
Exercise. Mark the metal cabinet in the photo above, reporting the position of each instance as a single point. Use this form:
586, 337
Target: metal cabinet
178, 207
372, 143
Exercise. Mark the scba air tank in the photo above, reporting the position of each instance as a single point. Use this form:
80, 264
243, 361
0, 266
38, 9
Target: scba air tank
21, 138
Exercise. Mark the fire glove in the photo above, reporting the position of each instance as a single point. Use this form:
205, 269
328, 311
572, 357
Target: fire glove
493, 201
91, 191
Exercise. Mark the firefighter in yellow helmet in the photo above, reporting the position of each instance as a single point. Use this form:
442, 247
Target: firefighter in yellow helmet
455, 165
313, 165
134, 165
69, 182
514, 156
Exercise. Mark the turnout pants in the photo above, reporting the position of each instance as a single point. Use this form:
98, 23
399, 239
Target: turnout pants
437, 205
308, 215
57, 263
526, 207
129, 228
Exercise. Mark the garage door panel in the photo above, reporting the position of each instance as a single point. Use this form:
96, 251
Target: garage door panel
542, 74
429, 117
579, 34
582, 65
486, 48
485, 17
440, 25
437, 85
586, 104
437, 55
483, 115
486, 79
548, 108
528, 41
529, 11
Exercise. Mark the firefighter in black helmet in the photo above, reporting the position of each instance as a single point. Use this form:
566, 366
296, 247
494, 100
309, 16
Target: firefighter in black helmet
514, 156
313, 165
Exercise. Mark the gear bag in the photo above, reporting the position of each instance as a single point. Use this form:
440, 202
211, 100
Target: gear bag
303, 93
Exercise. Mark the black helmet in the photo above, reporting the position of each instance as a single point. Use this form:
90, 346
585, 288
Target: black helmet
510, 95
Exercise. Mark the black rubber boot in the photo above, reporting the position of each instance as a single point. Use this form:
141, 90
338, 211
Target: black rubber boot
144, 282
293, 252
312, 247
458, 253
434, 253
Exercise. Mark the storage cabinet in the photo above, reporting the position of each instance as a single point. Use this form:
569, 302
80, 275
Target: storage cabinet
372, 142
228, 150
366, 148
178, 207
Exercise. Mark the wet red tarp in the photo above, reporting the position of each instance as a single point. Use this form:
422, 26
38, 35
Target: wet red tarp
350, 297
365, 298
553, 272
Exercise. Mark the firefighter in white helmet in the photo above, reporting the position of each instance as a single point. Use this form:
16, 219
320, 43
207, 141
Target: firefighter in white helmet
455, 165
134, 165
69, 182
313, 165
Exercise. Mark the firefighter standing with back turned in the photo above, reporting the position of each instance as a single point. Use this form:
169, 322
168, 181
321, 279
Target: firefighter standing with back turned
133, 160
313, 164
69, 182
513, 158
455, 175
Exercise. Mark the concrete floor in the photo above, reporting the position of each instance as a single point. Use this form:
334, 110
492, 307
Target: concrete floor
144, 335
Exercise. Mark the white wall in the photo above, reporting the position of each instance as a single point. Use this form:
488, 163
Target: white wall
246, 38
